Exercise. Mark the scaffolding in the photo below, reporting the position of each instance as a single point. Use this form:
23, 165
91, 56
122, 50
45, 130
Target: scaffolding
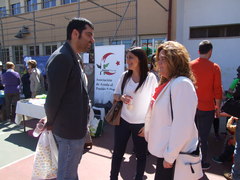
113, 20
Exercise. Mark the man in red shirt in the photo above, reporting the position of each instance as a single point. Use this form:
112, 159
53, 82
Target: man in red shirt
209, 92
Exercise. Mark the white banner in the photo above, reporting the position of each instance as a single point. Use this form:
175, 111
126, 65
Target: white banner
109, 66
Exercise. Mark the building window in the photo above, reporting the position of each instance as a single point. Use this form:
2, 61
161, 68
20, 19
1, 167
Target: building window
5, 56
69, 1
231, 30
116, 42
48, 3
18, 54
127, 43
99, 43
31, 5
31, 51
147, 46
157, 42
3, 11
50, 49
16, 9
150, 45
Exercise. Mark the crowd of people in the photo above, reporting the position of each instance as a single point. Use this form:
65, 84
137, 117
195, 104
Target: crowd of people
30, 84
168, 110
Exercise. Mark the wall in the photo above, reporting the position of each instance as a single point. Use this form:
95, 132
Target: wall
152, 18
207, 13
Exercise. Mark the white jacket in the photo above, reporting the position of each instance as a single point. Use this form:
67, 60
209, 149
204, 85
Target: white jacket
168, 137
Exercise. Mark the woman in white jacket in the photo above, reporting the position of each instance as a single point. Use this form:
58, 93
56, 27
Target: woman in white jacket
170, 131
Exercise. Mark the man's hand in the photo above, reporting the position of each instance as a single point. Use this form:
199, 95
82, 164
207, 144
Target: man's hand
217, 113
44, 121
167, 164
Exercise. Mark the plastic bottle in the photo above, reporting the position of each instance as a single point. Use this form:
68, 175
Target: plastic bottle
38, 130
130, 105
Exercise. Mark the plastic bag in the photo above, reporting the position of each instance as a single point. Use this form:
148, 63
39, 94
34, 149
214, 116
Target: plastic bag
95, 127
46, 157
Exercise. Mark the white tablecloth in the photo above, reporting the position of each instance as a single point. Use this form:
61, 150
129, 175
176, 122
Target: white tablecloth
33, 108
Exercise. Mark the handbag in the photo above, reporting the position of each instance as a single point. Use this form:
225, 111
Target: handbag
187, 164
232, 107
114, 114
45, 163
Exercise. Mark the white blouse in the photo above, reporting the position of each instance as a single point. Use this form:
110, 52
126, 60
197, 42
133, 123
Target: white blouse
141, 98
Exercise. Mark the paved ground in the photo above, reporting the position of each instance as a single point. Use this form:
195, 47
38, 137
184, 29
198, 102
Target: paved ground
17, 152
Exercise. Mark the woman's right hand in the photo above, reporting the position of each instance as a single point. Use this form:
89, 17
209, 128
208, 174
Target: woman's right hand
126, 99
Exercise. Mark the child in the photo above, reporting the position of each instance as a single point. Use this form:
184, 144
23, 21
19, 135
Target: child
230, 144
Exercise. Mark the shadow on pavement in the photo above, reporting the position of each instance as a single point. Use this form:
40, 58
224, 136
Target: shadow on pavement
23, 140
216, 146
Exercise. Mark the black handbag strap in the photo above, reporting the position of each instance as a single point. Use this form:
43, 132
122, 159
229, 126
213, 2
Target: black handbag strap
171, 104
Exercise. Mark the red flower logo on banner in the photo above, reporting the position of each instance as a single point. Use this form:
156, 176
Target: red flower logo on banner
104, 63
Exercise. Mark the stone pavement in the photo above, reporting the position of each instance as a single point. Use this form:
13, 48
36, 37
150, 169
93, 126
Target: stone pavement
17, 148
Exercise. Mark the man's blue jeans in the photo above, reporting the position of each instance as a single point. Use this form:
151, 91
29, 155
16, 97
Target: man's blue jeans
69, 156
236, 165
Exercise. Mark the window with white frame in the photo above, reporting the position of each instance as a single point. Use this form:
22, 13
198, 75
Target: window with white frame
5, 56
151, 44
68, 1
48, 3
31, 51
16, 9
49, 49
127, 43
3, 11
18, 54
31, 5
99, 44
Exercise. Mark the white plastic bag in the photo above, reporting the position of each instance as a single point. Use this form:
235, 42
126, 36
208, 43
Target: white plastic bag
46, 157
95, 127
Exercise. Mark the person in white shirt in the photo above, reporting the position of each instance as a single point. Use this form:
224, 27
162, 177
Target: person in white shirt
170, 127
138, 90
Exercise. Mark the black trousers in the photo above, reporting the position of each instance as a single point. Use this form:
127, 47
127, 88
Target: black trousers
163, 173
216, 126
11, 103
204, 121
121, 137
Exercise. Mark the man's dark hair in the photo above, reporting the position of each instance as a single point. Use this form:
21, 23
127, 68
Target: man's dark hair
79, 24
205, 46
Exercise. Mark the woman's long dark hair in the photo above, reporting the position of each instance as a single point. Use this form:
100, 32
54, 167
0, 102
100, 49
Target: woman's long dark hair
143, 65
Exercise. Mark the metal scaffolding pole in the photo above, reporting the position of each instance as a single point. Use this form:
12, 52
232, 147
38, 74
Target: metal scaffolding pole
136, 28
3, 43
78, 8
34, 30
